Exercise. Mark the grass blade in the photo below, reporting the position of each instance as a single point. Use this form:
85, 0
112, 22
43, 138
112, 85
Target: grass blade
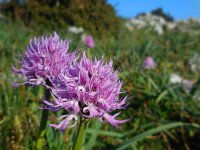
92, 140
148, 133
105, 133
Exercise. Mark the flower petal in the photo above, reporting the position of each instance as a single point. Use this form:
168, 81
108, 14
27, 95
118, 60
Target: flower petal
112, 120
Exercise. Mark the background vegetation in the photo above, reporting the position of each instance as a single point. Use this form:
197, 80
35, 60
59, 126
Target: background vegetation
165, 115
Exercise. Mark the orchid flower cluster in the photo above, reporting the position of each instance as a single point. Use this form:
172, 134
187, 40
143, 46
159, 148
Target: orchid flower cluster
80, 86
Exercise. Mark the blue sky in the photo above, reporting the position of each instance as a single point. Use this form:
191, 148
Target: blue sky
179, 9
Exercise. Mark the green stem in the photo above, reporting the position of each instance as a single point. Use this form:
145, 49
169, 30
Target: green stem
88, 53
80, 134
43, 122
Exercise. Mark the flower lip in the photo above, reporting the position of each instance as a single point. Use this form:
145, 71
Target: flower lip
81, 88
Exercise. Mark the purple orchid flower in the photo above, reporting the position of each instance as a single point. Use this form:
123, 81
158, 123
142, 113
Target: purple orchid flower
87, 88
149, 63
89, 41
45, 57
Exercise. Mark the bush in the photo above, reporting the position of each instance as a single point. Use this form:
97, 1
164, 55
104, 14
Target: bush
92, 15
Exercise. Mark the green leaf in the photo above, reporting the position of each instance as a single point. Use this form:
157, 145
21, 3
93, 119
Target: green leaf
105, 133
161, 95
50, 137
150, 132
5, 119
92, 140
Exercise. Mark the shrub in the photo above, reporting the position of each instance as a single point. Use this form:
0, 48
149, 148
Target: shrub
92, 15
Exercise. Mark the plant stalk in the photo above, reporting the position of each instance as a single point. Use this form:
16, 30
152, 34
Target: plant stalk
43, 122
80, 134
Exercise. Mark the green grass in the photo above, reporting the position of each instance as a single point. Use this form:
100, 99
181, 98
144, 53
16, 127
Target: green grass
163, 114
